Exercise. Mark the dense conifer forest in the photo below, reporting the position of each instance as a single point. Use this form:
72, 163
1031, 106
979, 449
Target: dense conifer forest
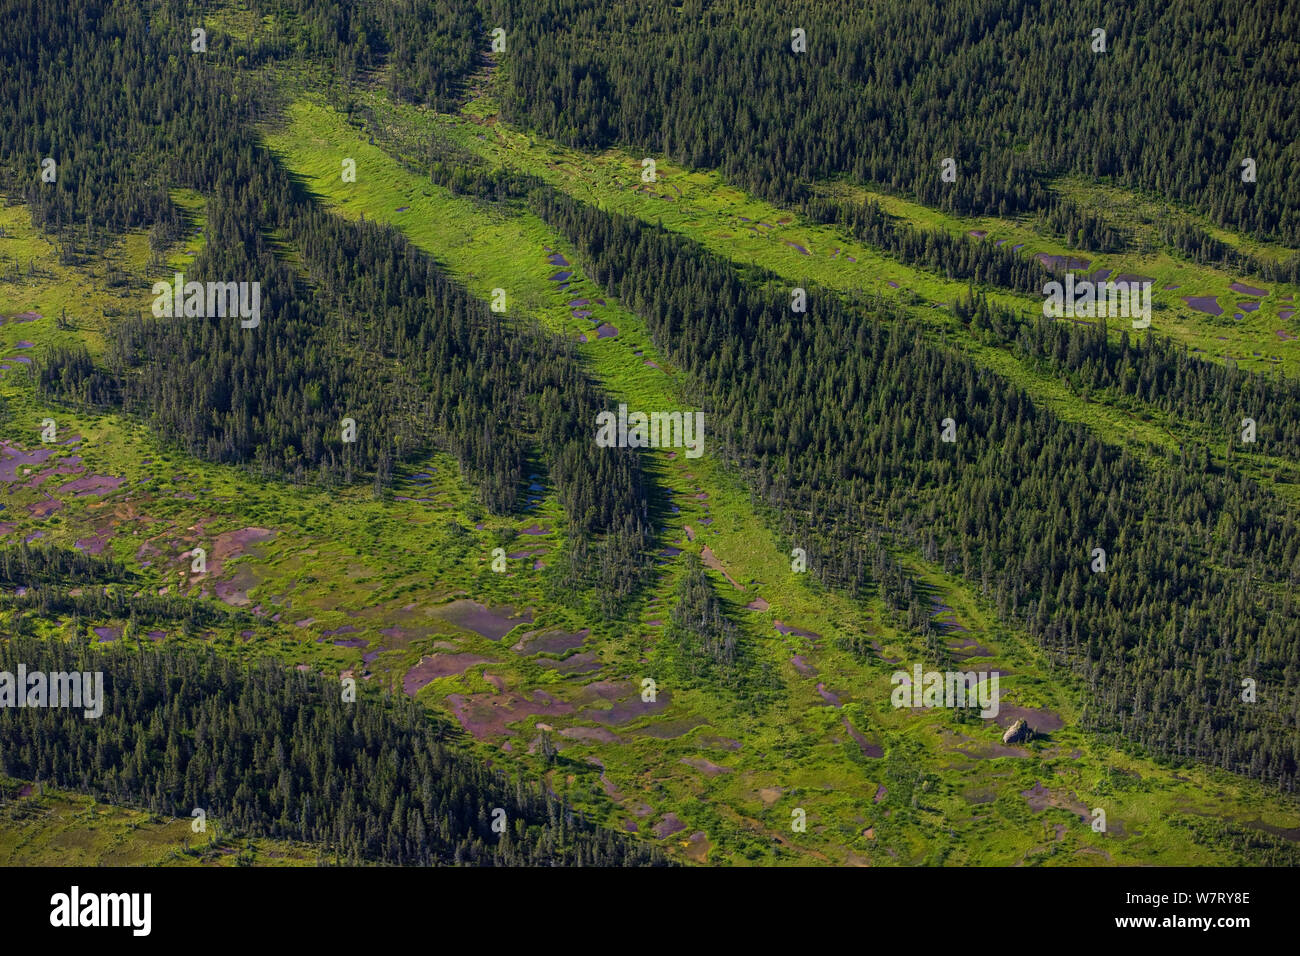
1013, 92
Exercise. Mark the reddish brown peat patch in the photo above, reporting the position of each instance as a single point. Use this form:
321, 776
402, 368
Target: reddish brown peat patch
486, 715
432, 667
624, 699
492, 623
552, 641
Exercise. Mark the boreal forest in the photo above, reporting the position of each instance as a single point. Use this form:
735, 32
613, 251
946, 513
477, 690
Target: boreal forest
367, 584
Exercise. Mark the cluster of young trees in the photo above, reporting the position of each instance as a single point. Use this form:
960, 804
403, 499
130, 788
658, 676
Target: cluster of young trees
1199, 246
69, 373
1014, 92
51, 582
428, 47
836, 417
276, 752
138, 611
699, 620
1149, 371
26, 563
937, 250
1080, 228
702, 646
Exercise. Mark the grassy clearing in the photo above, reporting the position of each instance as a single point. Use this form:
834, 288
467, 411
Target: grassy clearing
50, 827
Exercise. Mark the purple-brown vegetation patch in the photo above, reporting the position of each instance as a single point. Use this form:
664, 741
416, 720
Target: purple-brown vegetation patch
234, 589
797, 632
625, 702
432, 667
1040, 798
969, 647
486, 715
698, 850
669, 825
585, 662
706, 553
492, 623
1061, 262
43, 509
1203, 303
93, 485
598, 735
868, 748
1041, 720
706, 767
234, 544
14, 459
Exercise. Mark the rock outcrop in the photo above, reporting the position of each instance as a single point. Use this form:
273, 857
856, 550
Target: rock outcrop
1018, 733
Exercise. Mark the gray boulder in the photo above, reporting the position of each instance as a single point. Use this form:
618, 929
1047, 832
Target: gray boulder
1018, 733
